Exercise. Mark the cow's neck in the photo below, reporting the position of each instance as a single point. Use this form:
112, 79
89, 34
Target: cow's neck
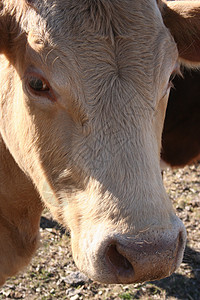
20, 205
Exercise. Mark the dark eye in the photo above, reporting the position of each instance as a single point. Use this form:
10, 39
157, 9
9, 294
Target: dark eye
38, 84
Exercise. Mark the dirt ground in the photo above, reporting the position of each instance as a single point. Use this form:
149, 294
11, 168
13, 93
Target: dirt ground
53, 275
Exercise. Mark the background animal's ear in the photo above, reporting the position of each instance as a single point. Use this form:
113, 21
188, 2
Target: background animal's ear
183, 20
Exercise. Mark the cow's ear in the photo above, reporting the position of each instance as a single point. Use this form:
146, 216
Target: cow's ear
4, 34
9, 26
183, 20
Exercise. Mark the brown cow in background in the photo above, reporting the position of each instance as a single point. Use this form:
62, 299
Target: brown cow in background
181, 133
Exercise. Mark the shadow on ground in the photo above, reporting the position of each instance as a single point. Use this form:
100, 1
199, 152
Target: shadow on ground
49, 223
177, 285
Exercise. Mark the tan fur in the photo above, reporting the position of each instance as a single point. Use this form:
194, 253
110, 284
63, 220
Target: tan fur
20, 211
92, 154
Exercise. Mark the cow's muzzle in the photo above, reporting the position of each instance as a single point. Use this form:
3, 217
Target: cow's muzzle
151, 255
142, 260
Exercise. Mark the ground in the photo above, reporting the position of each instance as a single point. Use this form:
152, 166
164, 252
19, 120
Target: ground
53, 275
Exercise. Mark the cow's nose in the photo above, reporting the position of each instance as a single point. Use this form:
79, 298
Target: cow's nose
139, 260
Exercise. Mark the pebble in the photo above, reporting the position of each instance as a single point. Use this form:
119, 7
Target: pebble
76, 278
75, 297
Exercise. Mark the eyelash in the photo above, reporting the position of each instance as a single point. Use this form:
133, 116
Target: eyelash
176, 72
171, 78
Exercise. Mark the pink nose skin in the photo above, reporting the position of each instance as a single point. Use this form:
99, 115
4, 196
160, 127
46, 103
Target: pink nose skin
141, 260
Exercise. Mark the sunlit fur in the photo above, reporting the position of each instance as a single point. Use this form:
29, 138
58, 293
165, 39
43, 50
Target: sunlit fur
95, 149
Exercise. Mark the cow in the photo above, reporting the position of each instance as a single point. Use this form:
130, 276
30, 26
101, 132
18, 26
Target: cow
84, 89
181, 135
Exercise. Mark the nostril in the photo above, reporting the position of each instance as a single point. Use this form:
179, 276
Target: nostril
122, 266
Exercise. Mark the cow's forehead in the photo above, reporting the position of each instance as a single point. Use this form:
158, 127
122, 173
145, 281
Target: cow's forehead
104, 40
105, 15
86, 20
94, 20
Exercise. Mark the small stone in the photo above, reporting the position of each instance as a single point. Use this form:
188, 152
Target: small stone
181, 204
75, 297
76, 278
6, 293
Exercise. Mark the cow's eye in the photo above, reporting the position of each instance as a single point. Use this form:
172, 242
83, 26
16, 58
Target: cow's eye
38, 84
38, 87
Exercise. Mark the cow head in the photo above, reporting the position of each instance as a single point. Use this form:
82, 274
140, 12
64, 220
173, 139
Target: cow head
84, 88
